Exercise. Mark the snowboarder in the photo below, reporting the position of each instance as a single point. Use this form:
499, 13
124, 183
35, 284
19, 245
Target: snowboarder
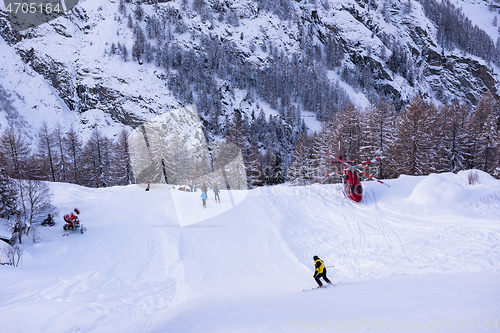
149, 185
320, 271
204, 199
216, 191
49, 221
72, 220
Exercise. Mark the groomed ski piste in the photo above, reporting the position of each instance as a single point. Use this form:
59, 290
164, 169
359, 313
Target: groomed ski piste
420, 255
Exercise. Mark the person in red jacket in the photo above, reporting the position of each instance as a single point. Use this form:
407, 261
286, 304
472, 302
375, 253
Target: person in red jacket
72, 220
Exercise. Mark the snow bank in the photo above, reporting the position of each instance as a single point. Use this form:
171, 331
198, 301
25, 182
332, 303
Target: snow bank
437, 190
447, 192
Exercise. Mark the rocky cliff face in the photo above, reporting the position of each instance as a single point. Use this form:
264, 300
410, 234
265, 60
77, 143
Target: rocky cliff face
391, 43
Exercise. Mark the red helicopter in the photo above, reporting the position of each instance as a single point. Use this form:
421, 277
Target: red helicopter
352, 185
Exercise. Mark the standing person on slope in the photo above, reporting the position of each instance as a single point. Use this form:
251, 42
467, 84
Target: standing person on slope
320, 271
204, 199
216, 191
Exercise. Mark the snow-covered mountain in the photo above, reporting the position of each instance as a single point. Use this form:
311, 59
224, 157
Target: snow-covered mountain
71, 70
422, 254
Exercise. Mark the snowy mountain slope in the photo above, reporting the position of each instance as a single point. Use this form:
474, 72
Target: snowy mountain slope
72, 56
20, 105
412, 253
482, 14
71, 62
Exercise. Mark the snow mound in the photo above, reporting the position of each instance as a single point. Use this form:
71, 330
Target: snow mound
438, 189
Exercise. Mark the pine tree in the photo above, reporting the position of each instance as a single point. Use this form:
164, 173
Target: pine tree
299, 172
121, 168
7, 195
59, 146
138, 12
413, 151
236, 133
378, 135
347, 131
482, 130
323, 149
74, 150
46, 153
121, 8
253, 166
139, 42
15, 150
176, 160
124, 53
453, 138
97, 159
130, 22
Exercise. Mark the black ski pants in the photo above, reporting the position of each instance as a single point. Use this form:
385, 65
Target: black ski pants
321, 275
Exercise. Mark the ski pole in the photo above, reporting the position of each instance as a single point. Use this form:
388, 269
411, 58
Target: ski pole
329, 266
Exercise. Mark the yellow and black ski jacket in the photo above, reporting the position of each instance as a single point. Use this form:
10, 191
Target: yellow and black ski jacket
320, 266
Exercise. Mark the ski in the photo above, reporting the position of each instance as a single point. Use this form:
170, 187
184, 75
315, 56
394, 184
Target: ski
319, 288
314, 288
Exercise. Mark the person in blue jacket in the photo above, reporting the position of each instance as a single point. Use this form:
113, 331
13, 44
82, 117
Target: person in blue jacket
204, 199
216, 191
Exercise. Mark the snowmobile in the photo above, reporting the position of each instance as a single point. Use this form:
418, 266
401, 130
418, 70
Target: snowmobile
75, 227
48, 222
73, 223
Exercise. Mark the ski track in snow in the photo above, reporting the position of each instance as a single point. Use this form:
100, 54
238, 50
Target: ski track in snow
243, 269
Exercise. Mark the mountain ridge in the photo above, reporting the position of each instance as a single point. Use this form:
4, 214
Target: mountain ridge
74, 56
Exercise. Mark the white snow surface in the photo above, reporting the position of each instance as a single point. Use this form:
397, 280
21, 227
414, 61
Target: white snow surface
420, 255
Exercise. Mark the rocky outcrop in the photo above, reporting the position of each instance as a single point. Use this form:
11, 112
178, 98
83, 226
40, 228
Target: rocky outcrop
366, 35
114, 103
444, 76
55, 72
453, 77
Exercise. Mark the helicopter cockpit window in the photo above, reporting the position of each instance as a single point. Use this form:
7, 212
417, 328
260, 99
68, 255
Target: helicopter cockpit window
351, 189
359, 189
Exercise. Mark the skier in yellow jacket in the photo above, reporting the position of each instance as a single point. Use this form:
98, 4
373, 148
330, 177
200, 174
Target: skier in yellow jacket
320, 271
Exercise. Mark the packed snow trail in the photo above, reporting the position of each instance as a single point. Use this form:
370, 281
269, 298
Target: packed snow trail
277, 230
110, 279
414, 253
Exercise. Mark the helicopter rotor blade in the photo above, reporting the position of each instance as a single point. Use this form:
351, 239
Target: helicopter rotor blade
370, 161
336, 160
339, 160
367, 175
333, 173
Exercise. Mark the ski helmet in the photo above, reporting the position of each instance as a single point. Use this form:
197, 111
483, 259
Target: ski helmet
315, 257
76, 211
